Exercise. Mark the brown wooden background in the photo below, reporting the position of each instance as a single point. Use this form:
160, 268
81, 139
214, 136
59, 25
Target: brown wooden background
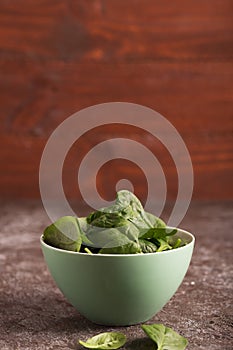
57, 57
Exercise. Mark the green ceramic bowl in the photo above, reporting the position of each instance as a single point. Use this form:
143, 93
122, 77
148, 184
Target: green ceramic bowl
119, 290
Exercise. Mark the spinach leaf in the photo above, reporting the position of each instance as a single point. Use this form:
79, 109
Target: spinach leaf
131, 231
178, 243
163, 245
113, 234
64, 233
101, 237
122, 228
82, 223
155, 221
128, 216
160, 237
147, 246
158, 233
165, 338
104, 218
129, 248
126, 207
118, 240
131, 207
108, 340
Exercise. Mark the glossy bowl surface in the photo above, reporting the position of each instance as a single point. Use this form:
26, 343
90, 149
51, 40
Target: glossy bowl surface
119, 290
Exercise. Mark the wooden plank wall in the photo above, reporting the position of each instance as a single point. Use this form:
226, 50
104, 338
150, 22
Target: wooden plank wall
58, 56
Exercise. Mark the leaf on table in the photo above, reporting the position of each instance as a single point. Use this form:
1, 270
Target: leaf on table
108, 340
165, 338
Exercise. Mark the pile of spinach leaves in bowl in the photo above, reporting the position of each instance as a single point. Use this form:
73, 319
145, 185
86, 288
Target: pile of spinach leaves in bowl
122, 228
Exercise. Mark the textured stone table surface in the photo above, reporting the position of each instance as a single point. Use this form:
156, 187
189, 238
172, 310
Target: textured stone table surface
35, 315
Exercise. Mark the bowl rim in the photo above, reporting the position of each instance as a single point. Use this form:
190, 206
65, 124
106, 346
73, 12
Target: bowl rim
189, 234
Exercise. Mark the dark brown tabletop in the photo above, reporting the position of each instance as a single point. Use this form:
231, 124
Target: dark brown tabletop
35, 315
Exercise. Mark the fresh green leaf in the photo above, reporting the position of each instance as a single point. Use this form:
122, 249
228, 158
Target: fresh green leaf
165, 338
163, 245
155, 221
112, 237
103, 218
126, 207
147, 246
82, 223
108, 340
130, 248
130, 231
128, 216
132, 209
65, 234
158, 233
177, 244
122, 228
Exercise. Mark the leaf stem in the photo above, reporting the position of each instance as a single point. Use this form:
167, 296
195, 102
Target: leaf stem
88, 251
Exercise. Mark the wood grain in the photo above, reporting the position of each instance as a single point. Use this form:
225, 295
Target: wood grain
57, 57
117, 30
